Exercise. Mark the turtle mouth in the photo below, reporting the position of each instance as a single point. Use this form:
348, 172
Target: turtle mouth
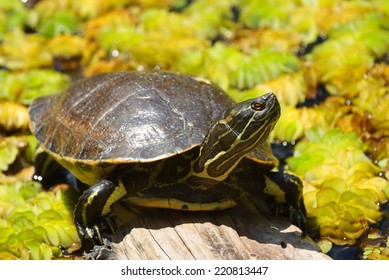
270, 100
277, 110
274, 105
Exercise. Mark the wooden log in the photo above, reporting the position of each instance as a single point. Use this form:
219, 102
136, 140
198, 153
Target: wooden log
245, 232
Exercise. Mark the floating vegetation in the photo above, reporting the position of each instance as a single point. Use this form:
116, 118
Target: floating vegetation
343, 190
23, 87
35, 224
240, 70
327, 62
351, 49
13, 117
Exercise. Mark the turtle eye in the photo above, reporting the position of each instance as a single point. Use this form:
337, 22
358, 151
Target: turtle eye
257, 106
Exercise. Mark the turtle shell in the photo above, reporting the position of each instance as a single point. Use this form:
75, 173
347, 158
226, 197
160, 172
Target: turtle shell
127, 117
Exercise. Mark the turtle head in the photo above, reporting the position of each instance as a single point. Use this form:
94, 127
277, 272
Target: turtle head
252, 119
240, 129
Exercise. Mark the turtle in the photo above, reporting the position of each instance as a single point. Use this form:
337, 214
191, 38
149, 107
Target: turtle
161, 139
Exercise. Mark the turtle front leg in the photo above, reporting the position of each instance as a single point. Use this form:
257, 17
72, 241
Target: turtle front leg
287, 191
284, 192
93, 206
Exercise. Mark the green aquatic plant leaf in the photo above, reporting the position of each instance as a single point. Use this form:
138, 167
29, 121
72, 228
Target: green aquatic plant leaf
8, 252
338, 63
266, 13
23, 87
36, 220
372, 31
8, 154
332, 147
61, 22
5, 232
29, 190
33, 54
13, 116
86, 9
230, 67
297, 123
156, 38
13, 17
215, 63
349, 53
288, 128
120, 37
67, 46
250, 73
377, 186
342, 190
290, 88
327, 195
213, 20
41, 251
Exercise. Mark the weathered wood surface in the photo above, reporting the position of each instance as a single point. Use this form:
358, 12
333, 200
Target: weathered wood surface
239, 233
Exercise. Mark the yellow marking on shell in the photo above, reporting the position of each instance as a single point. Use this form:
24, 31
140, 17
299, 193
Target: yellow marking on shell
88, 172
203, 80
274, 190
172, 203
117, 194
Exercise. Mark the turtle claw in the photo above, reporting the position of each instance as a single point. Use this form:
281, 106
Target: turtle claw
96, 233
297, 217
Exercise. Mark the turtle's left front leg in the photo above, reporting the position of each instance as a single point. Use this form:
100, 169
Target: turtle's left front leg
93, 206
287, 191
284, 192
